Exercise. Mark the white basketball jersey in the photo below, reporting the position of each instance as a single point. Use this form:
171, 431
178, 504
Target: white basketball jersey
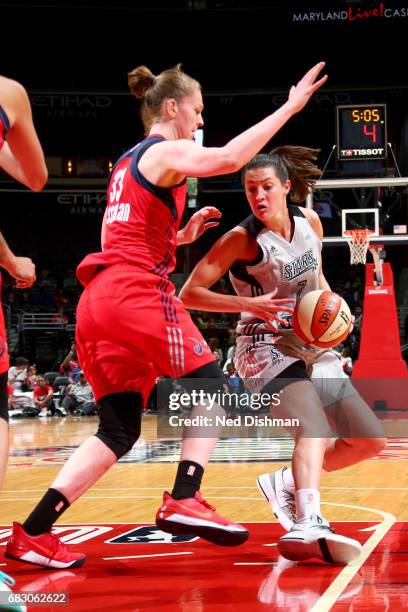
293, 267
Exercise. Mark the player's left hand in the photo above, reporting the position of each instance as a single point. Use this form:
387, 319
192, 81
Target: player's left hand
23, 270
198, 224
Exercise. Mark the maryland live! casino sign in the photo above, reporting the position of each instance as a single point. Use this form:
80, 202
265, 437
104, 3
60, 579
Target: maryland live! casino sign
356, 11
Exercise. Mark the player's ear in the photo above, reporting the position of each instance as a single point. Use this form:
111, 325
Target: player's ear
287, 187
171, 107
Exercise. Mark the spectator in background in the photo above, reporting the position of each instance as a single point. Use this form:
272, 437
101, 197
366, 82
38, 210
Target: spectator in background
358, 316
70, 281
44, 298
42, 395
229, 360
70, 284
24, 300
346, 361
10, 392
214, 345
79, 398
31, 379
218, 359
17, 374
60, 316
60, 299
232, 340
234, 381
70, 363
45, 280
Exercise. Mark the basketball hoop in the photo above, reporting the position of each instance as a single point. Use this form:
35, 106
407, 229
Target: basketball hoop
358, 241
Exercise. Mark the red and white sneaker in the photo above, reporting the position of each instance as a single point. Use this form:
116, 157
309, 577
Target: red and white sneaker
195, 516
45, 549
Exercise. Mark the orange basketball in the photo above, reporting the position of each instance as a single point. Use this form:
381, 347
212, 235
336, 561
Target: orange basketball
321, 319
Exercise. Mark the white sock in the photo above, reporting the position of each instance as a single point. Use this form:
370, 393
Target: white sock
287, 479
307, 503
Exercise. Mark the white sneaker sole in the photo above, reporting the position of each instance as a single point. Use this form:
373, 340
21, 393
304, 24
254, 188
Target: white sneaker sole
331, 548
267, 490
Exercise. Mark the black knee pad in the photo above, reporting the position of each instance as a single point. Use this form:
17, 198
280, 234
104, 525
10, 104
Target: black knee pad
209, 378
4, 397
120, 416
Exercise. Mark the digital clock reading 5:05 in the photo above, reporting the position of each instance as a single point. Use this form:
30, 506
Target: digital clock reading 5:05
361, 131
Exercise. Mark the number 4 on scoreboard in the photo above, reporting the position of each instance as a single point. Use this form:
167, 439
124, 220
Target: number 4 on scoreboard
372, 132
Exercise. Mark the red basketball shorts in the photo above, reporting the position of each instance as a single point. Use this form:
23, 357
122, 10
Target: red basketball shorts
132, 329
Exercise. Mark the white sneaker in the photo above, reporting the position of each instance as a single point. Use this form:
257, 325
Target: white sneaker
313, 537
281, 500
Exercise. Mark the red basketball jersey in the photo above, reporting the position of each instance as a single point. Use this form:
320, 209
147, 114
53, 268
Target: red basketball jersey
141, 220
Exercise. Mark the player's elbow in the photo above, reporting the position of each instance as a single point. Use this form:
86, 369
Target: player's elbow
188, 295
228, 161
184, 294
37, 180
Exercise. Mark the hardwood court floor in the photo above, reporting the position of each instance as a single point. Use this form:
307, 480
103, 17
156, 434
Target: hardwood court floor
133, 566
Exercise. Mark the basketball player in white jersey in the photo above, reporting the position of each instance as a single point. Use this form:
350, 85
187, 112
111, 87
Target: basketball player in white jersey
276, 253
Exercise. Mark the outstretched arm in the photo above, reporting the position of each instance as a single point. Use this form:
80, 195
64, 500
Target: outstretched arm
184, 158
21, 155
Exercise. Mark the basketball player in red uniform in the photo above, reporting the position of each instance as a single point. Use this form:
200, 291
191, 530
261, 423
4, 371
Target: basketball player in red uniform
22, 157
278, 248
130, 326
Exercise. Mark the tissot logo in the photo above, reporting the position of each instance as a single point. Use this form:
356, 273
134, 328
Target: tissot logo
379, 151
150, 535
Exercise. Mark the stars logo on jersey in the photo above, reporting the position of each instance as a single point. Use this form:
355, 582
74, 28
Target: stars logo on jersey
150, 534
304, 263
276, 355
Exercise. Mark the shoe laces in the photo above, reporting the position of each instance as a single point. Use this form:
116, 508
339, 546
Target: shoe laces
314, 523
57, 545
290, 501
205, 503
327, 527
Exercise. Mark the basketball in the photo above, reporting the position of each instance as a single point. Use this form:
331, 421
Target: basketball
321, 319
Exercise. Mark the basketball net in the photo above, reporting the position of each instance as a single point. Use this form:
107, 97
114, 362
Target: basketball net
358, 241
